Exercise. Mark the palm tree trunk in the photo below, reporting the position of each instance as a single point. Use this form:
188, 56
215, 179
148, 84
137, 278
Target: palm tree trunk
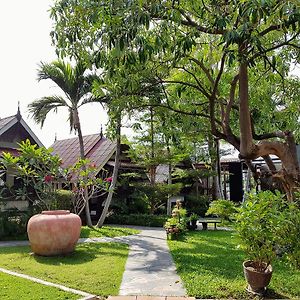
115, 175
82, 156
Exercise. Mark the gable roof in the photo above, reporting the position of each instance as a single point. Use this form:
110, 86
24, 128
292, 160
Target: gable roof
9, 122
97, 149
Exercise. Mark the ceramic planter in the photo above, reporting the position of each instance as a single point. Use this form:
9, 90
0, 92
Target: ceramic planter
53, 232
257, 281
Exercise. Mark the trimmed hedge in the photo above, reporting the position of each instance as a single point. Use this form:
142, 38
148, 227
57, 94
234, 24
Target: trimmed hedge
63, 200
137, 219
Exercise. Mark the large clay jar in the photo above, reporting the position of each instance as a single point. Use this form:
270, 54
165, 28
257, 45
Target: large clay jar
53, 232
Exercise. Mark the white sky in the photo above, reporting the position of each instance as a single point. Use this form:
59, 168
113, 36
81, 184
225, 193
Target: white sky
25, 41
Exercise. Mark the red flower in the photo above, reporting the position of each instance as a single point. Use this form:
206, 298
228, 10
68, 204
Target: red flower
48, 178
109, 179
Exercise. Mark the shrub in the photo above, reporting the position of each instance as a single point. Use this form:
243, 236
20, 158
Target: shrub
288, 235
13, 224
224, 209
137, 219
258, 226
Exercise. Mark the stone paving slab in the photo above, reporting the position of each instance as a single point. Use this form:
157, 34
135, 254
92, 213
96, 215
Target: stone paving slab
13, 243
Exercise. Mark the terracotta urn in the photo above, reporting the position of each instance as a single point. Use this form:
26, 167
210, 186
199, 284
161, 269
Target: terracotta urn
53, 232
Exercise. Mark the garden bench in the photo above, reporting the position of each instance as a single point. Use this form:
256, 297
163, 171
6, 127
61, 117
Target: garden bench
205, 221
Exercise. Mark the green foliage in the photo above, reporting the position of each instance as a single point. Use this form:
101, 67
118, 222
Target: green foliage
137, 219
288, 235
193, 217
13, 224
157, 194
197, 203
259, 224
192, 50
224, 209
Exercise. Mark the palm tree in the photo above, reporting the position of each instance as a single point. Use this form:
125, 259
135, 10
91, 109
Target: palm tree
77, 89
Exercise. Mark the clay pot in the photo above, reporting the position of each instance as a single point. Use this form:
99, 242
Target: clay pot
53, 232
257, 281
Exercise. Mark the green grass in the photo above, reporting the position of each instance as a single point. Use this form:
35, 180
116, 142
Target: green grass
87, 232
106, 231
13, 288
210, 266
96, 268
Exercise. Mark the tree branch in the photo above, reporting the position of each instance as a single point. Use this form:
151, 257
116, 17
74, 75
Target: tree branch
205, 70
230, 103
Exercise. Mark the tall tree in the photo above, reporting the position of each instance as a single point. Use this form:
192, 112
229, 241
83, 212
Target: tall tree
76, 86
211, 47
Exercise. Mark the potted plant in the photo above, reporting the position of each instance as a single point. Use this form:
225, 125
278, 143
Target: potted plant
193, 221
258, 222
172, 227
177, 223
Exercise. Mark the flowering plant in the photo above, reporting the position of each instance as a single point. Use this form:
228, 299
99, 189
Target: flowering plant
35, 169
88, 182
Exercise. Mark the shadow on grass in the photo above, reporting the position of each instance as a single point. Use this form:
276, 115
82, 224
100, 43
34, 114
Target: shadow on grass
83, 253
272, 294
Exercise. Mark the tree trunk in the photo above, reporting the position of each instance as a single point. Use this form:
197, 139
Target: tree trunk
219, 189
246, 146
115, 175
286, 151
77, 127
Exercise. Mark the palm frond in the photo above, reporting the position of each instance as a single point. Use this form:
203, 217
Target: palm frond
62, 74
92, 99
40, 108
71, 120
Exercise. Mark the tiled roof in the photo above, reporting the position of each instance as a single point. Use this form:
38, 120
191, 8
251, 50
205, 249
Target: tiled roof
5, 121
98, 150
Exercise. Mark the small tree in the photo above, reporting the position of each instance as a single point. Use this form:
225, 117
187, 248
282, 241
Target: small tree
88, 181
36, 169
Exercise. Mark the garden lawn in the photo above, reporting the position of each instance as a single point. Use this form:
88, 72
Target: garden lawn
106, 231
96, 268
210, 266
12, 288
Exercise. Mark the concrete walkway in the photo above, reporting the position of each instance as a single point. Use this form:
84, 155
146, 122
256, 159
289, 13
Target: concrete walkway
149, 269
